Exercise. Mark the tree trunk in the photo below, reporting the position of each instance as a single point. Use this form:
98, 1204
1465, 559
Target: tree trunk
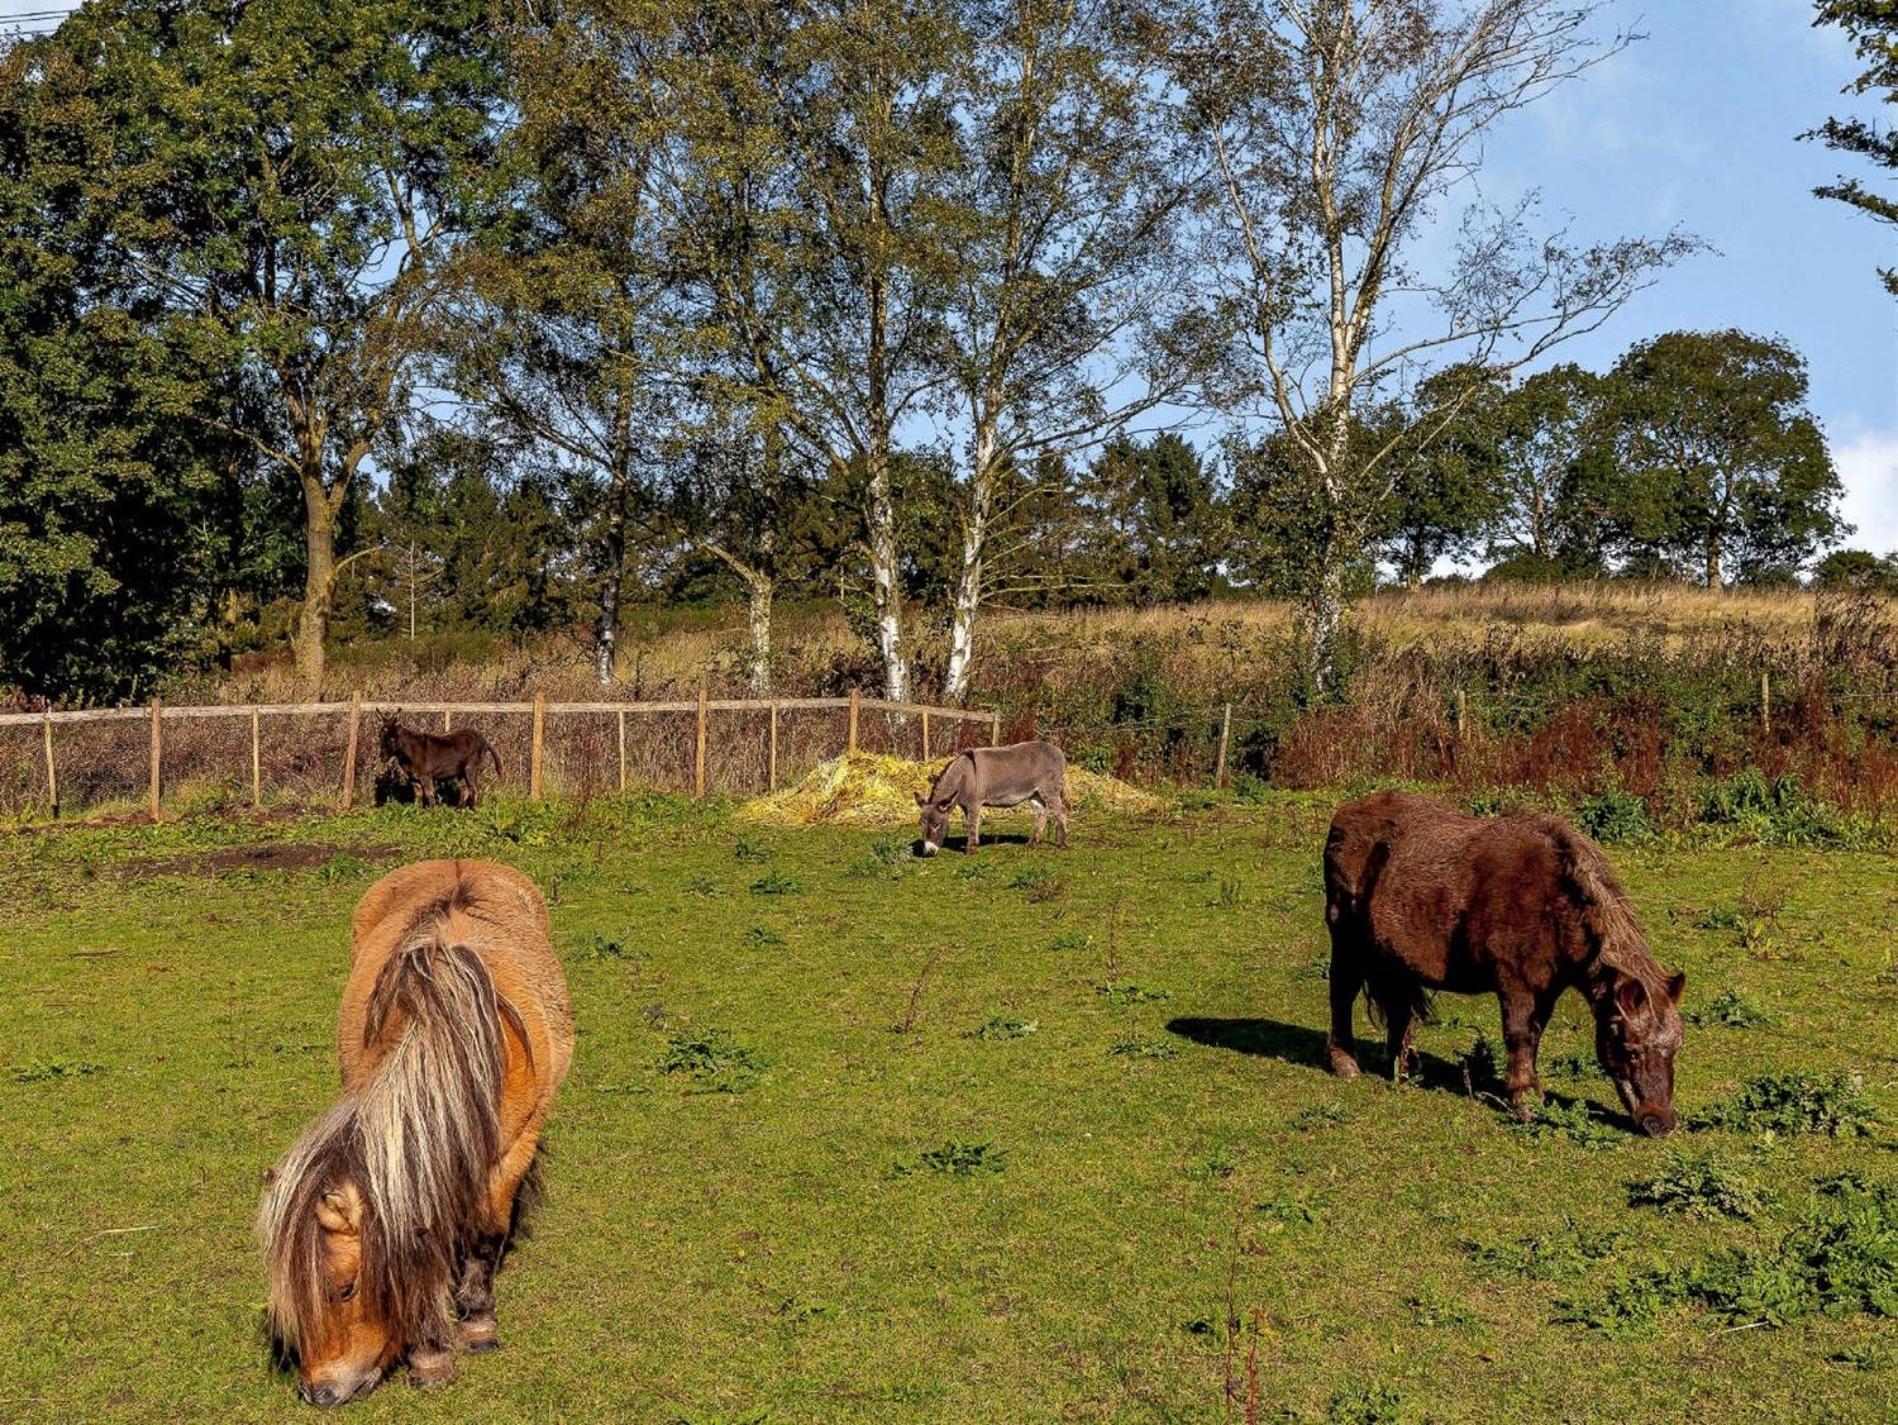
613, 578
1325, 612
760, 589
1713, 560
319, 582
886, 589
968, 596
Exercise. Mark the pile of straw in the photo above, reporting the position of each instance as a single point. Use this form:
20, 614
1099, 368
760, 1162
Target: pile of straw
868, 790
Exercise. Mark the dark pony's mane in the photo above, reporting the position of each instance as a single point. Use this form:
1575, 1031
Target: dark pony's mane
418, 1140
1607, 915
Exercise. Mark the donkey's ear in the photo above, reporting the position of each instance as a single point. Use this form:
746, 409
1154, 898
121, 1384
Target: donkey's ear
1676, 985
921, 800
1631, 996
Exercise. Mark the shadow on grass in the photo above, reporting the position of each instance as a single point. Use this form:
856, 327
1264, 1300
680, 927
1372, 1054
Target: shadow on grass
1297, 1044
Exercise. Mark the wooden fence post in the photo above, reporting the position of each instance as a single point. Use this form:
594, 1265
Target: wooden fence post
52, 773
1225, 735
622, 749
1766, 702
771, 774
852, 749
349, 755
995, 729
698, 756
533, 754
925, 734
1462, 713
447, 714
157, 756
256, 764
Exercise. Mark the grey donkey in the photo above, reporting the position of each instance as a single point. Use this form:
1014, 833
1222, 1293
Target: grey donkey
997, 777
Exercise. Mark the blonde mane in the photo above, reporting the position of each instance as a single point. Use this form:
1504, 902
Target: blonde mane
418, 1139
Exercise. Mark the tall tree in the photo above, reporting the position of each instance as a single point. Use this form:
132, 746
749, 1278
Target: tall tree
1158, 531
1339, 129
567, 339
287, 176
1872, 26
1730, 468
807, 187
1069, 310
1549, 450
1444, 486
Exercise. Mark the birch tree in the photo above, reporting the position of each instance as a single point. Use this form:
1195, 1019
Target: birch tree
1341, 131
567, 340
1070, 311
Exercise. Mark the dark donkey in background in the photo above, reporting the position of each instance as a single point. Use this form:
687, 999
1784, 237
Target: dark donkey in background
997, 777
427, 757
1420, 896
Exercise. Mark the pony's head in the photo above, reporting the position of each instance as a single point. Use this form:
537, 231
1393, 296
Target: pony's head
1637, 1034
332, 1307
935, 823
391, 731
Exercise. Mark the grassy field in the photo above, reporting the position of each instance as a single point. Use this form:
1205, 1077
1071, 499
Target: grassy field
1029, 1136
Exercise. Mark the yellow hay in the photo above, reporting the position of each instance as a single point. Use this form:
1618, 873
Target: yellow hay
868, 790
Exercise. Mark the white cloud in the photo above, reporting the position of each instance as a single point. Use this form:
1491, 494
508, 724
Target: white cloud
1868, 468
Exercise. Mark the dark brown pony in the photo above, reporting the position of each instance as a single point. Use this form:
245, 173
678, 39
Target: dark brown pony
383, 1226
427, 757
1421, 897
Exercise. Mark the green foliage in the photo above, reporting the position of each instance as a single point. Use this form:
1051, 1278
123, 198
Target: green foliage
45, 1071
603, 947
1728, 1010
1562, 1253
764, 937
1703, 1186
1126, 992
957, 1158
1366, 1405
1144, 1047
1071, 940
1831, 1104
777, 883
1615, 817
1778, 812
715, 1060
1873, 29
1577, 1120
1005, 1026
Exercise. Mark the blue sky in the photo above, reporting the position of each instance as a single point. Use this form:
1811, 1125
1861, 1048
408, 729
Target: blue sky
1696, 126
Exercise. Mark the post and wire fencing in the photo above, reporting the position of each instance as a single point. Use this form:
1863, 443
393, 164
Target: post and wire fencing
142, 759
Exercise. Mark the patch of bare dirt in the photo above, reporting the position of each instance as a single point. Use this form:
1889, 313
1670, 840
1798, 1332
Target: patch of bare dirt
273, 856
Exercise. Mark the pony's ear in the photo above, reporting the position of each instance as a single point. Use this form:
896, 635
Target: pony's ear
339, 1211
1631, 996
1676, 985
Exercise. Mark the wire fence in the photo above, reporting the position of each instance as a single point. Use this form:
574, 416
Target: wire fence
300, 754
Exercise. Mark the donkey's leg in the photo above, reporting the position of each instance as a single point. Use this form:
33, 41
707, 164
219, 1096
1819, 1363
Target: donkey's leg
1347, 978
1524, 1017
1041, 821
973, 816
1060, 810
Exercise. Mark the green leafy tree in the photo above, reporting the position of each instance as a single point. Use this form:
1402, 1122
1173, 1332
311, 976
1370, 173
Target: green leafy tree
1726, 469
1157, 530
1857, 569
1872, 26
1444, 489
1336, 130
283, 180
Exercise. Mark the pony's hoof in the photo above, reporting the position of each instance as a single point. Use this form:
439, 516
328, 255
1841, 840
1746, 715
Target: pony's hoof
479, 1335
1343, 1065
435, 1368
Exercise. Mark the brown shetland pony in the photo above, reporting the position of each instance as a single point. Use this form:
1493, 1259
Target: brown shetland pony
385, 1222
1421, 897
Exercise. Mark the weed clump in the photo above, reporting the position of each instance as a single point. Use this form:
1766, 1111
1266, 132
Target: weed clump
956, 1159
776, 883
1703, 1187
1729, 1010
47, 1071
1136, 1047
716, 1061
1005, 1026
1579, 1121
1831, 1104
1126, 992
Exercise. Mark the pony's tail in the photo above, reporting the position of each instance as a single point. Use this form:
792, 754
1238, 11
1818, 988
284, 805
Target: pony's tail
1606, 914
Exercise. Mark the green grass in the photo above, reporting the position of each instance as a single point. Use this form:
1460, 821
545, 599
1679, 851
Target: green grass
763, 1204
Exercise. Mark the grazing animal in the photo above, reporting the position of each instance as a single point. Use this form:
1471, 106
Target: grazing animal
389, 1216
426, 757
1420, 896
997, 777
